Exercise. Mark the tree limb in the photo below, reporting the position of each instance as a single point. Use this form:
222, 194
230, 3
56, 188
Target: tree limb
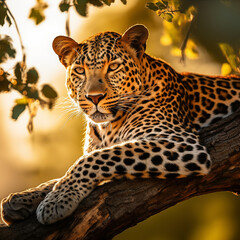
120, 204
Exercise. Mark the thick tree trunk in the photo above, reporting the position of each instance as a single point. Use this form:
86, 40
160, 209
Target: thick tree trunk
118, 205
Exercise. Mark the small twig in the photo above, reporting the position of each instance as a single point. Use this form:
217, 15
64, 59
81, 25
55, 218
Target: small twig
68, 23
169, 10
18, 32
184, 43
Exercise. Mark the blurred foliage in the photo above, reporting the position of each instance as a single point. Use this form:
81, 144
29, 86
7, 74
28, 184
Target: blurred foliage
232, 57
162, 9
22, 79
177, 27
37, 12
25, 81
4, 15
81, 6
208, 217
7, 50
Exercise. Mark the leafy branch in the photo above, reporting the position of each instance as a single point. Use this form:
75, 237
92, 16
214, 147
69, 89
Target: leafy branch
177, 29
25, 80
10, 16
177, 26
81, 7
22, 79
162, 9
37, 12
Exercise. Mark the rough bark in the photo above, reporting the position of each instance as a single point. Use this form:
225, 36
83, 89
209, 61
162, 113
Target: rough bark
118, 205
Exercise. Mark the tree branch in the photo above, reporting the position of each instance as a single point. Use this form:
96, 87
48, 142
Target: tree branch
120, 204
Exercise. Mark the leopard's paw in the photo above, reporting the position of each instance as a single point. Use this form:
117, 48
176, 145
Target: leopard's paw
19, 206
57, 205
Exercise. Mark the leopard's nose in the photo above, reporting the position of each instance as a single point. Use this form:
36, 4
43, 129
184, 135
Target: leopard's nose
95, 98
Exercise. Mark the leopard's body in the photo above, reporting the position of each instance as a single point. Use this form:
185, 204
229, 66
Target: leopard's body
143, 120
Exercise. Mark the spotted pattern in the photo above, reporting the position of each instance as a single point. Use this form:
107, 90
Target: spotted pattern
142, 116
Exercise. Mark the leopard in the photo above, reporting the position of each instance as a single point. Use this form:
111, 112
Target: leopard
143, 120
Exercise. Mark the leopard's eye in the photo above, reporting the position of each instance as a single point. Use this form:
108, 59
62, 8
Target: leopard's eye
113, 67
79, 70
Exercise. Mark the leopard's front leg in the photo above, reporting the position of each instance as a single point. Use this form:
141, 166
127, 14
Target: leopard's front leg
141, 158
19, 206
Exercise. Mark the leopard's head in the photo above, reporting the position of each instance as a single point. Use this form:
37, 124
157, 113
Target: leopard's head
103, 71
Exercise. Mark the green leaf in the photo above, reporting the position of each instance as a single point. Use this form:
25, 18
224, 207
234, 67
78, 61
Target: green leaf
230, 55
3, 13
6, 49
36, 15
37, 12
49, 92
124, 1
81, 7
64, 6
18, 73
96, 3
18, 110
4, 83
232, 59
226, 49
151, 6
167, 16
32, 76
32, 93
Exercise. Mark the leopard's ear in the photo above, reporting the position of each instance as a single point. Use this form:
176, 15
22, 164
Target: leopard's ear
65, 48
136, 37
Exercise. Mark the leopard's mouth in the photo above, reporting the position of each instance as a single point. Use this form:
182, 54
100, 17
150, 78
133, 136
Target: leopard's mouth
99, 117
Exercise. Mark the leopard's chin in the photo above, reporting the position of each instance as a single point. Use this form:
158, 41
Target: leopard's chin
99, 117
